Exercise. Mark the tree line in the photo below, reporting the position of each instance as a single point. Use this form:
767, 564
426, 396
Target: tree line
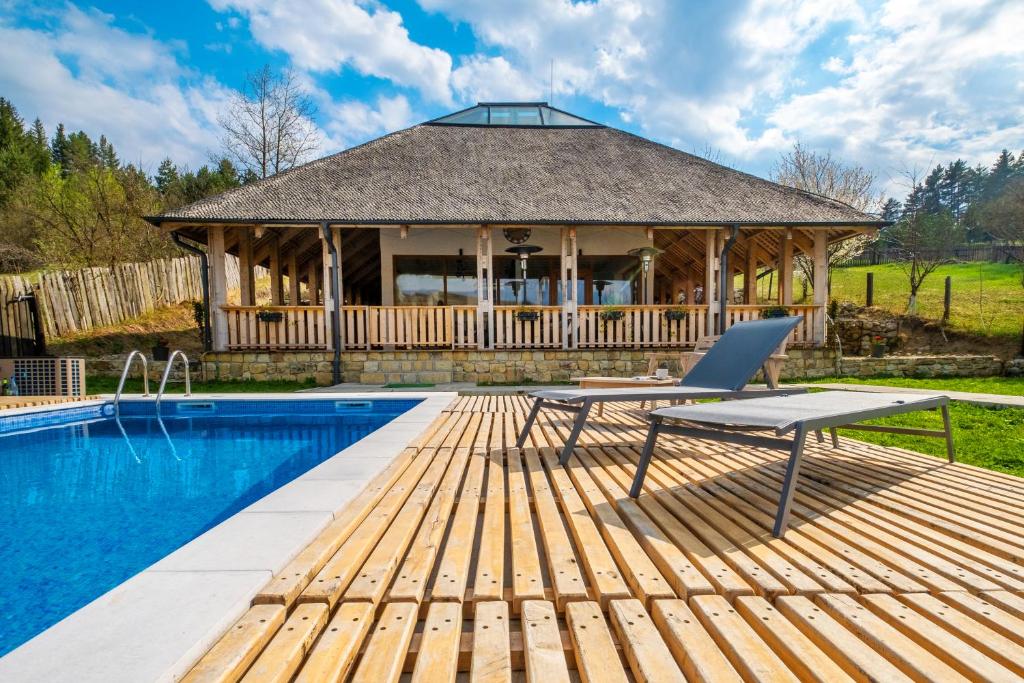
69, 201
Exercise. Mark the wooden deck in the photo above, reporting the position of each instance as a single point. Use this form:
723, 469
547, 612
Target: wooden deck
469, 557
9, 402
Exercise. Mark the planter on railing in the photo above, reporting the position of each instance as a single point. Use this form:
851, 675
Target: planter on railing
613, 314
270, 316
676, 315
527, 315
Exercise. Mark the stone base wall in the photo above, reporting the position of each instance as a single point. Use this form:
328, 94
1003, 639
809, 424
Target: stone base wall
111, 366
516, 367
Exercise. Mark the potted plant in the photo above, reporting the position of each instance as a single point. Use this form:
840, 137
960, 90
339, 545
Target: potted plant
268, 316
676, 314
878, 346
161, 351
775, 312
612, 314
527, 315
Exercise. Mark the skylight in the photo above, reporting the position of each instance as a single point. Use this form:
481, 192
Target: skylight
513, 114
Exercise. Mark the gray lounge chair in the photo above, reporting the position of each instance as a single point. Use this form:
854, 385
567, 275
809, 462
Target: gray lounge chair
800, 414
722, 373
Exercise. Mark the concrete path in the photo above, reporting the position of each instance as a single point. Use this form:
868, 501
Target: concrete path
463, 388
1004, 400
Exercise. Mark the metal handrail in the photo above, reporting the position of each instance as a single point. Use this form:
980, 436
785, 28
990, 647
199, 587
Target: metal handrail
124, 376
167, 373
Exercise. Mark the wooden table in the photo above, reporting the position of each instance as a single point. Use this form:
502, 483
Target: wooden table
621, 383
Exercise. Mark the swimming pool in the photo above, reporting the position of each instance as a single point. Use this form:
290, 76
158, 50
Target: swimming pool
87, 500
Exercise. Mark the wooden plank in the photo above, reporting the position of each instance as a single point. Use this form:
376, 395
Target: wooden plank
491, 661
597, 661
604, 576
228, 659
934, 638
855, 656
749, 655
799, 653
988, 614
527, 579
438, 657
912, 659
283, 655
566, 577
542, 643
490, 569
648, 656
332, 656
389, 640
1007, 601
693, 649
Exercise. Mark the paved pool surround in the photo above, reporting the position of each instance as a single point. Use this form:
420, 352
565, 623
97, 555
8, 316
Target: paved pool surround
155, 625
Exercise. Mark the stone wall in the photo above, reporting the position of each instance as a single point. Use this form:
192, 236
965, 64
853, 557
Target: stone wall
513, 367
111, 366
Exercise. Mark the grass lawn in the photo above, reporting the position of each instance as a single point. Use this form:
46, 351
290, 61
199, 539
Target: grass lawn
984, 436
987, 297
1007, 386
108, 385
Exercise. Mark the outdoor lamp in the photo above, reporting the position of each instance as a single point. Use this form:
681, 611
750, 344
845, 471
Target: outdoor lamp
646, 255
523, 251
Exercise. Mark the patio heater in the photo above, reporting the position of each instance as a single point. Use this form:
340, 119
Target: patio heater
646, 256
599, 285
523, 251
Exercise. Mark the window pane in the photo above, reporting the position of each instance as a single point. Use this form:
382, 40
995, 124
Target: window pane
419, 281
461, 281
541, 278
614, 279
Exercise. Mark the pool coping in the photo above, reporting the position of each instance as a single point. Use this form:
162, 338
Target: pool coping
156, 625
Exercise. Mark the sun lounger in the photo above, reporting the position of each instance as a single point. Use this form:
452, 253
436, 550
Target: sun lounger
721, 373
800, 414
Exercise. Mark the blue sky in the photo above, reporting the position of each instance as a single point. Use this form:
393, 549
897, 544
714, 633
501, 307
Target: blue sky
896, 86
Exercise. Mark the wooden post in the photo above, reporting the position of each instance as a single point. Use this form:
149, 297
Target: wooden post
947, 299
276, 279
574, 266
218, 287
871, 290
328, 300
293, 279
485, 293
246, 281
786, 268
563, 278
710, 260
820, 284
313, 282
750, 274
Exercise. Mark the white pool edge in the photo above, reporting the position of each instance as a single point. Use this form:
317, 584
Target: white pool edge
156, 625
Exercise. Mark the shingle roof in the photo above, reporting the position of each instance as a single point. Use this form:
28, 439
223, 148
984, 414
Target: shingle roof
490, 174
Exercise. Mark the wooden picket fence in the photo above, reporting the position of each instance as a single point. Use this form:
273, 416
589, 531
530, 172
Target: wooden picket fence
73, 301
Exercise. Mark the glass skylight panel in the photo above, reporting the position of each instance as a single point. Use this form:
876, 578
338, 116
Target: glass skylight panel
527, 114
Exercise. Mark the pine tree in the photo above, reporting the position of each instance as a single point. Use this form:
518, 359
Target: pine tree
59, 147
106, 153
931, 198
166, 176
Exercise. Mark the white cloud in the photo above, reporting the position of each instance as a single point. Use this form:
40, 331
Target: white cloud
127, 86
354, 121
329, 35
494, 79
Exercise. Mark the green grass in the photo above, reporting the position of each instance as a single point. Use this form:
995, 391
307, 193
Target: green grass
108, 385
1006, 386
988, 299
992, 438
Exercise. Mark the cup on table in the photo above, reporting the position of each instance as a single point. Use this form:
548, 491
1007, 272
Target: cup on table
661, 373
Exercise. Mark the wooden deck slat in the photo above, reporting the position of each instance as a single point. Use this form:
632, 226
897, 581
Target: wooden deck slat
896, 565
542, 643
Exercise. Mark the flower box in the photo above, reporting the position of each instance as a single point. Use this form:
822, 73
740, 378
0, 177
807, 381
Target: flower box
270, 316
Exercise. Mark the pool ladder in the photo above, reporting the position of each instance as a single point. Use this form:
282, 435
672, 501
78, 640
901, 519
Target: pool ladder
145, 378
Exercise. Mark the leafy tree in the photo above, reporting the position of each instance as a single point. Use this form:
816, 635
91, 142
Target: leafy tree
1004, 216
268, 126
184, 187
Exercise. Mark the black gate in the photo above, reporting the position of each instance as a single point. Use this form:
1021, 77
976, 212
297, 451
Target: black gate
21, 333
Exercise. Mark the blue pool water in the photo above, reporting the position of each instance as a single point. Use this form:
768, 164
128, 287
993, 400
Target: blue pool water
84, 506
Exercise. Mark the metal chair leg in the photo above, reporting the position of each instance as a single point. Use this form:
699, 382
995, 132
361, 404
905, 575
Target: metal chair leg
789, 483
530, 419
835, 437
645, 460
950, 455
574, 435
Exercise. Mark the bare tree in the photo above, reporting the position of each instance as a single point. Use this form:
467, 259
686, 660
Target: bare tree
268, 127
823, 174
924, 242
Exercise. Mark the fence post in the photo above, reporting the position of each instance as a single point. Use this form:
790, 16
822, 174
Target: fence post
871, 289
947, 298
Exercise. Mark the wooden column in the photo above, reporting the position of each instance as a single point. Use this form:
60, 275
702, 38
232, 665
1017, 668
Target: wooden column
313, 270
484, 291
750, 275
218, 287
786, 268
246, 279
328, 298
710, 278
293, 280
276, 279
820, 284
570, 288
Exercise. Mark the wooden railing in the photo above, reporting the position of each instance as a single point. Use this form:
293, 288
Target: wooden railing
514, 327
640, 326
804, 332
276, 327
535, 327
